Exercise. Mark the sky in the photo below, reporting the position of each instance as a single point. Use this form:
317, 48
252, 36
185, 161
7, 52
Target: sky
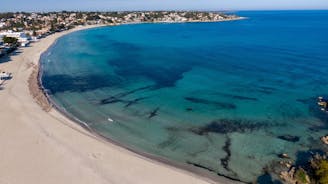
115, 5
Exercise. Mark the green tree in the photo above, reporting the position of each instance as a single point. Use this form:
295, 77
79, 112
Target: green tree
52, 26
322, 172
301, 176
6, 15
93, 17
79, 15
10, 40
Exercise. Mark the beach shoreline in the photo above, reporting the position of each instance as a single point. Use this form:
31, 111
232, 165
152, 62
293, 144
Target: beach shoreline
213, 178
52, 133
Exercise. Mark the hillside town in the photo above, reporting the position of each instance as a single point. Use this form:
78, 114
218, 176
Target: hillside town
28, 27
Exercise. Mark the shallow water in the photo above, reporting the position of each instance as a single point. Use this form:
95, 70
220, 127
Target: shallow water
227, 97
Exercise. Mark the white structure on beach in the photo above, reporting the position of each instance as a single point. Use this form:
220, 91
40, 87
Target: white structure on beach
4, 76
21, 36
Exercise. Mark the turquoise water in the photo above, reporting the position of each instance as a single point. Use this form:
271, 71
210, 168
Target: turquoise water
225, 97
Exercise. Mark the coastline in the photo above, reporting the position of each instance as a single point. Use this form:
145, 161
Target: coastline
52, 140
197, 171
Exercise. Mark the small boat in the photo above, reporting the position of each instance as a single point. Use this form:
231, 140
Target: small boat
110, 120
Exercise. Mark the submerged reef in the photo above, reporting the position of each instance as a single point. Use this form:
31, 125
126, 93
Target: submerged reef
113, 99
134, 101
200, 166
110, 100
62, 83
289, 138
220, 105
131, 64
315, 111
124, 94
225, 126
119, 97
226, 148
153, 113
237, 97
255, 89
213, 171
189, 109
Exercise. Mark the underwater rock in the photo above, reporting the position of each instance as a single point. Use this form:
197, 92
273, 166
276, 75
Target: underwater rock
244, 98
131, 65
289, 138
267, 88
221, 105
267, 92
264, 89
124, 94
110, 100
321, 115
132, 102
289, 111
172, 139
153, 113
129, 103
212, 170
224, 126
189, 109
306, 101
61, 83
237, 97
283, 155
200, 166
118, 97
225, 160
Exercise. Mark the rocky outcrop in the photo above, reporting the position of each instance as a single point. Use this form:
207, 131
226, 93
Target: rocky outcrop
288, 176
289, 138
295, 176
283, 155
324, 139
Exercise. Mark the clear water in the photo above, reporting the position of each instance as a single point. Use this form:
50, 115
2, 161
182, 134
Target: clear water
226, 96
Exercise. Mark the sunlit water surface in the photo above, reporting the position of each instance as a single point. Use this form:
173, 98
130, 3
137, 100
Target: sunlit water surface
225, 97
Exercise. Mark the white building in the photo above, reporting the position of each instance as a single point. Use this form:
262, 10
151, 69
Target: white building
2, 24
21, 36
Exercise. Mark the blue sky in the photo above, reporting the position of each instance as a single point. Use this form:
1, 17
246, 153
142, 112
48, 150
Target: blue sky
106, 5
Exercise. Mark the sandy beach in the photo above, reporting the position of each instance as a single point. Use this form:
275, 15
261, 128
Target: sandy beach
44, 147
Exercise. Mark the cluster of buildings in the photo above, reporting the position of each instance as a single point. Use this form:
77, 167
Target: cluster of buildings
27, 27
166, 16
21, 37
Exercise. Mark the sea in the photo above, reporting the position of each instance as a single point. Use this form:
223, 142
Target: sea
227, 98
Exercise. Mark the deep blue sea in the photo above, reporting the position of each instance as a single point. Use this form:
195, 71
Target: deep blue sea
225, 97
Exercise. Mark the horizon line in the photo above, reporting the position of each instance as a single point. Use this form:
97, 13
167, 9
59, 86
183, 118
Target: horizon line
232, 10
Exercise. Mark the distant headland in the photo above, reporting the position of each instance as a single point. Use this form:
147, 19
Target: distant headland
28, 27
56, 21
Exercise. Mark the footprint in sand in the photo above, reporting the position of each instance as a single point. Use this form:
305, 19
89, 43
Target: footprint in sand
96, 155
